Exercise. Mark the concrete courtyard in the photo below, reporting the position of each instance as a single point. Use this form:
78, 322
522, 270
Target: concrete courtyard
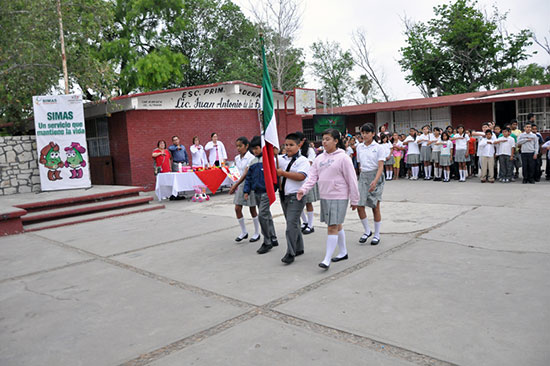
461, 277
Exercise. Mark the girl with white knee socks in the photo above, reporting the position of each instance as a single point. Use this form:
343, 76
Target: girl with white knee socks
334, 172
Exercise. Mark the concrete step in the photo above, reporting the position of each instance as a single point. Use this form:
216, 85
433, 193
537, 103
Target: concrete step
77, 200
81, 209
91, 217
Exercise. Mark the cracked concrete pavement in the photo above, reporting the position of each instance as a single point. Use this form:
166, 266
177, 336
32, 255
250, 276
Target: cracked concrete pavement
459, 278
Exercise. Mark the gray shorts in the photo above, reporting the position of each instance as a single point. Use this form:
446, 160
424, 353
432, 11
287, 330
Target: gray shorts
425, 153
333, 212
435, 156
460, 156
312, 195
413, 159
239, 198
366, 198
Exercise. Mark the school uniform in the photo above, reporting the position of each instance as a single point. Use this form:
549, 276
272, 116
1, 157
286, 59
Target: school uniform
368, 157
461, 148
546, 145
487, 154
292, 207
504, 153
413, 153
255, 182
529, 147
313, 194
446, 153
242, 164
436, 149
425, 149
390, 160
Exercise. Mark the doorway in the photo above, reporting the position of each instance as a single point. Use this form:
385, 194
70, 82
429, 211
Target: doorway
505, 112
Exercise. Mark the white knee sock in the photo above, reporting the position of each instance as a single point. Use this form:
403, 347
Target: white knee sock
342, 243
332, 242
377, 229
243, 227
446, 172
256, 221
391, 174
310, 219
304, 217
416, 169
365, 223
429, 171
426, 175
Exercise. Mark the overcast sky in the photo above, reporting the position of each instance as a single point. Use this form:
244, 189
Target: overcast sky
335, 20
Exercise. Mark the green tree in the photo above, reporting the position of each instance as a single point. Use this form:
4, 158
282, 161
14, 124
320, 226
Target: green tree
527, 75
332, 66
461, 50
30, 54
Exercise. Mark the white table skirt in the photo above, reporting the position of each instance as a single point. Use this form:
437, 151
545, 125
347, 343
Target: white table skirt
169, 184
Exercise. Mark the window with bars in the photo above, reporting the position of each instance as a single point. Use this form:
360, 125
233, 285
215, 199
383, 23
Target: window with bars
307, 127
402, 121
540, 107
97, 137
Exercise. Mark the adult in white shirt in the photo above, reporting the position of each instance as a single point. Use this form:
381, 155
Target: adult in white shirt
198, 156
216, 151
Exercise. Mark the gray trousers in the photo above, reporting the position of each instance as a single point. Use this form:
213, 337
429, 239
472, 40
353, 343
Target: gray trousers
506, 167
292, 209
266, 220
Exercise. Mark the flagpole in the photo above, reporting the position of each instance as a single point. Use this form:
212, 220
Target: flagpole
62, 40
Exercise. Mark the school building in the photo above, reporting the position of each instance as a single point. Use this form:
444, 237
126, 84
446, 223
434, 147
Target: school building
123, 132
470, 110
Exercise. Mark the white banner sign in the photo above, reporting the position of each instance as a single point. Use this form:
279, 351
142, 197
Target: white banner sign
61, 142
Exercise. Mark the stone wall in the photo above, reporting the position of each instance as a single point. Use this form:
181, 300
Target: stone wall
18, 165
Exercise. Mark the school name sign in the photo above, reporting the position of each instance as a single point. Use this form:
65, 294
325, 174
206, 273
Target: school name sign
61, 142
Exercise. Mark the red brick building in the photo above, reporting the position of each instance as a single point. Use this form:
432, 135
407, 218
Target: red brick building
123, 133
470, 110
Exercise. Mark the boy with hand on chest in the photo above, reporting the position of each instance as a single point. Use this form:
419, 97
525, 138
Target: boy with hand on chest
293, 168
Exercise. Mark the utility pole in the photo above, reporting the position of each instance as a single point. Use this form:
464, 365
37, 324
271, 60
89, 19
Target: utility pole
62, 39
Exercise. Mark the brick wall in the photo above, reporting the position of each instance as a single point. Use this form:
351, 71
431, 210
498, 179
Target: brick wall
472, 115
134, 134
18, 165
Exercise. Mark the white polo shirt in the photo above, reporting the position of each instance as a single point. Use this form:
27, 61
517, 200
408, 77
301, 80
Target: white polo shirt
413, 145
301, 165
505, 147
486, 149
424, 139
446, 148
462, 144
242, 163
368, 156
436, 140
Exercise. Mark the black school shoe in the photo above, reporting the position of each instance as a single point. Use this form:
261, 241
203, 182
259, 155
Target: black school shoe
299, 252
365, 237
238, 238
264, 249
287, 259
253, 239
274, 243
336, 259
375, 241
304, 226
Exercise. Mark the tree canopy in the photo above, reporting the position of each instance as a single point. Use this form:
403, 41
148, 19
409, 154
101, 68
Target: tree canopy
461, 50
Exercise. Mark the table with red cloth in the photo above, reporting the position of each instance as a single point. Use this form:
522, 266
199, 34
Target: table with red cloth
169, 184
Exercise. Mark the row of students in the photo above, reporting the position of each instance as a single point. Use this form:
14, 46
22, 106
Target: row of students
332, 172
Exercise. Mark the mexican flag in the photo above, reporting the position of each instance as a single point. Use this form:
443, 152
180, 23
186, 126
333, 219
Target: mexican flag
269, 133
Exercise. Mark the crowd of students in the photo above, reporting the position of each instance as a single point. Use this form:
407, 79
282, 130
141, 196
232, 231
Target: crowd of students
494, 153
350, 171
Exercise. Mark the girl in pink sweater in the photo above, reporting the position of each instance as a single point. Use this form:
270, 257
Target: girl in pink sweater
333, 171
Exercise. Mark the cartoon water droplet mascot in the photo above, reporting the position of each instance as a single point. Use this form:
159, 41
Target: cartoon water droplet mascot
49, 157
75, 161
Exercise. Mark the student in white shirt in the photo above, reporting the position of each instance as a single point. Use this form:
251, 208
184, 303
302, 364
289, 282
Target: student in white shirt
413, 154
241, 162
426, 151
371, 157
446, 155
388, 164
487, 154
436, 152
546, 146
506, 149
216, 151
293, 168
198, 156
462, 140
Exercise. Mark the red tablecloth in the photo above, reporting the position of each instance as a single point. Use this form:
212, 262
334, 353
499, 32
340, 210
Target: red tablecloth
212, 178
